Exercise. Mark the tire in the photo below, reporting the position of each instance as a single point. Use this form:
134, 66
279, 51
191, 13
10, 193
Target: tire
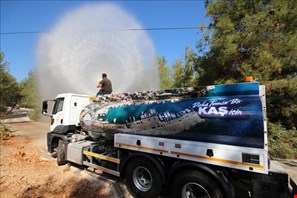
143, 178
61, 153
195, 184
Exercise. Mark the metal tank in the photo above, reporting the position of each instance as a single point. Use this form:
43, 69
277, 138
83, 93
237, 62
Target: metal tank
227, 114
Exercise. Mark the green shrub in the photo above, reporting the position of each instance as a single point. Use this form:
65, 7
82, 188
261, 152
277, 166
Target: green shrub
5, 132
34, 115
282, 102
282, 142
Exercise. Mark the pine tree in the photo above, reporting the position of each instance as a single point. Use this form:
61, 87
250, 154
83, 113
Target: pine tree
250, 38
9, 89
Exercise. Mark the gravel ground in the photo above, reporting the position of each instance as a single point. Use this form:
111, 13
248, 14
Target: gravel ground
27, 170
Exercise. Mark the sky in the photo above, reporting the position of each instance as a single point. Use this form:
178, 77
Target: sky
24, 22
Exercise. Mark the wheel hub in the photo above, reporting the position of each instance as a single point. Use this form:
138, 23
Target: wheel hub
142, 178
194, 190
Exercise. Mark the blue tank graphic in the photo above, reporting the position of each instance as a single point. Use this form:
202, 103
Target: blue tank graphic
227, 114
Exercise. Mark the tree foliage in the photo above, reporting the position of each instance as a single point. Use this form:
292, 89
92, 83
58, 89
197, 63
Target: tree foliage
165, 73
182, 73
28, 90
30, 95
250, 38
9, 89
178, 74
189, 68
282, 102
12, 93
282, 142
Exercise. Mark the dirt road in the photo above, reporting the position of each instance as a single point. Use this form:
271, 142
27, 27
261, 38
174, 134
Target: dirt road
27, 170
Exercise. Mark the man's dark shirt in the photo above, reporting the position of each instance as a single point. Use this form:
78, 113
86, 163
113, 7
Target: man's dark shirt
106, 86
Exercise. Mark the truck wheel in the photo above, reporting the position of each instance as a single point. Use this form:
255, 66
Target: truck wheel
195, 184
61, 153
143, 178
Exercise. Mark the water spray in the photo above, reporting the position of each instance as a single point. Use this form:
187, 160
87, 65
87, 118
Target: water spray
91, 40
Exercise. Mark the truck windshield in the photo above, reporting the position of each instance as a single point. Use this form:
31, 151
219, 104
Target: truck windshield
58, 106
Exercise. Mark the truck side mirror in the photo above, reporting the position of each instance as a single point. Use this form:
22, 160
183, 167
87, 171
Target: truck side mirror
44, 107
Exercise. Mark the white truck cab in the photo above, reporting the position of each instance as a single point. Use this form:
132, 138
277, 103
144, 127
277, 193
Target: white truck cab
67, 115
64, 118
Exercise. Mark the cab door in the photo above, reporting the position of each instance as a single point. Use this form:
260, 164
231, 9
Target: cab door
57, 113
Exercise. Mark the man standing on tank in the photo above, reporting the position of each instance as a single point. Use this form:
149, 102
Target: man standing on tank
104, 85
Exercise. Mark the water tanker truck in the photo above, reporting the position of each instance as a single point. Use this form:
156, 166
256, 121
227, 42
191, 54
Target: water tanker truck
188, 142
